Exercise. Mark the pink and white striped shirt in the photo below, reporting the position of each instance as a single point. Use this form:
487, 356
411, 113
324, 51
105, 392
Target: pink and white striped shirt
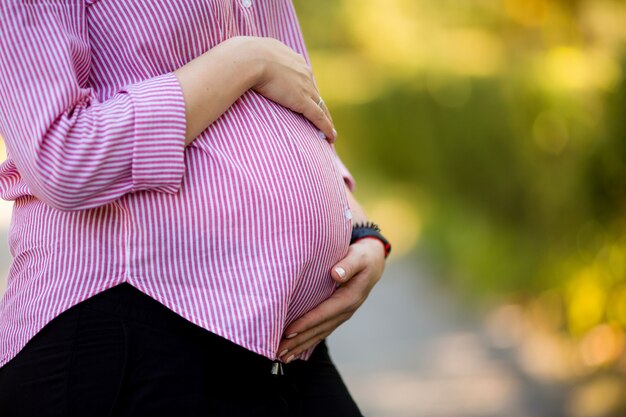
236, 232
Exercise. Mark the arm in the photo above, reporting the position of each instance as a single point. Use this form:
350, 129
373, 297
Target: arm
73, 150
76, 152
212, 82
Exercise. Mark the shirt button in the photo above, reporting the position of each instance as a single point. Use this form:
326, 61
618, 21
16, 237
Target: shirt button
246, 3
348, 214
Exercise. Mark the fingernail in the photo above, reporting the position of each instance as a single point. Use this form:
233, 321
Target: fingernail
283, 352
334, 133
289, 336
341, 272
289, 359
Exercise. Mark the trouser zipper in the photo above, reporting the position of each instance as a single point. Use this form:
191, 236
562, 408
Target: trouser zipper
277, 368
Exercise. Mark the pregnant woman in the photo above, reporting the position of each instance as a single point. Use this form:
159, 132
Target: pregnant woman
183, 234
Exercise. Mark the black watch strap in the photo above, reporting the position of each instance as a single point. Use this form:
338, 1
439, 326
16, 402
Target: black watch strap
369, 229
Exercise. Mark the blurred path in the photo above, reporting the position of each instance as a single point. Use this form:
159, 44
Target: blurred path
409, 352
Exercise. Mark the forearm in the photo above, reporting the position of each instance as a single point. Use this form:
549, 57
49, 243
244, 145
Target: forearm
212, 82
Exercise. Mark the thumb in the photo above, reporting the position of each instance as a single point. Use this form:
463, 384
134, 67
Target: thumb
346, 268
343, 270
340, 272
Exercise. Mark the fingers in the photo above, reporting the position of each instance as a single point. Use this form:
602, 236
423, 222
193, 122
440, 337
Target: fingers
287, 78
334, 137
290, 355
325, 108
325, 317
353, 263
320, 118
318, 100
293, 347
359, 269
339, 303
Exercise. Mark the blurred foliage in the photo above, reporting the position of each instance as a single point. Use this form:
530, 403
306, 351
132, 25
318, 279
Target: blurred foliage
501, 125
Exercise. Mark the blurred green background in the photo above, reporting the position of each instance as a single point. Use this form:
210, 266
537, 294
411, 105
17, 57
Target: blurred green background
488, 138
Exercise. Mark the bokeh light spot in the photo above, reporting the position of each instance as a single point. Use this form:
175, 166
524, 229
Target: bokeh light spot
400, 221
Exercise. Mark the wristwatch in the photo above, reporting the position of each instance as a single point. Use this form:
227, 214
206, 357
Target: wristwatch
369, 229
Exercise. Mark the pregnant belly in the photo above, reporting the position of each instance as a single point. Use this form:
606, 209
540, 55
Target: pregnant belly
273, 195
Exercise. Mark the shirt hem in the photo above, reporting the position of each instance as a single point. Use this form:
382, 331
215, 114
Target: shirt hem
125, 279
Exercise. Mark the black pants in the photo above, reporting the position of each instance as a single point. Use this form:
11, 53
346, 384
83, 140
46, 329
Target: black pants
121, 353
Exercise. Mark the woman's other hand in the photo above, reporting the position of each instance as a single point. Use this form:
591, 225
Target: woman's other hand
286, 78
363, 267
212, 82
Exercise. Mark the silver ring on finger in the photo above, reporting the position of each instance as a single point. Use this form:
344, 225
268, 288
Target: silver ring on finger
321, 103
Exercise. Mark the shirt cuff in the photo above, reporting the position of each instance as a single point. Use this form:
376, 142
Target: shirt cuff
345, 173
160, 126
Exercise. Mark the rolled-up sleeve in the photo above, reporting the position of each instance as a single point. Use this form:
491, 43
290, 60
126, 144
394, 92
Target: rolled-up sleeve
74, 150
159, 136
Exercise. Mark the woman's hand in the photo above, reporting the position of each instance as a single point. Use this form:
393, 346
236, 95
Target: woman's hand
363, 266
287, 79
212, 82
